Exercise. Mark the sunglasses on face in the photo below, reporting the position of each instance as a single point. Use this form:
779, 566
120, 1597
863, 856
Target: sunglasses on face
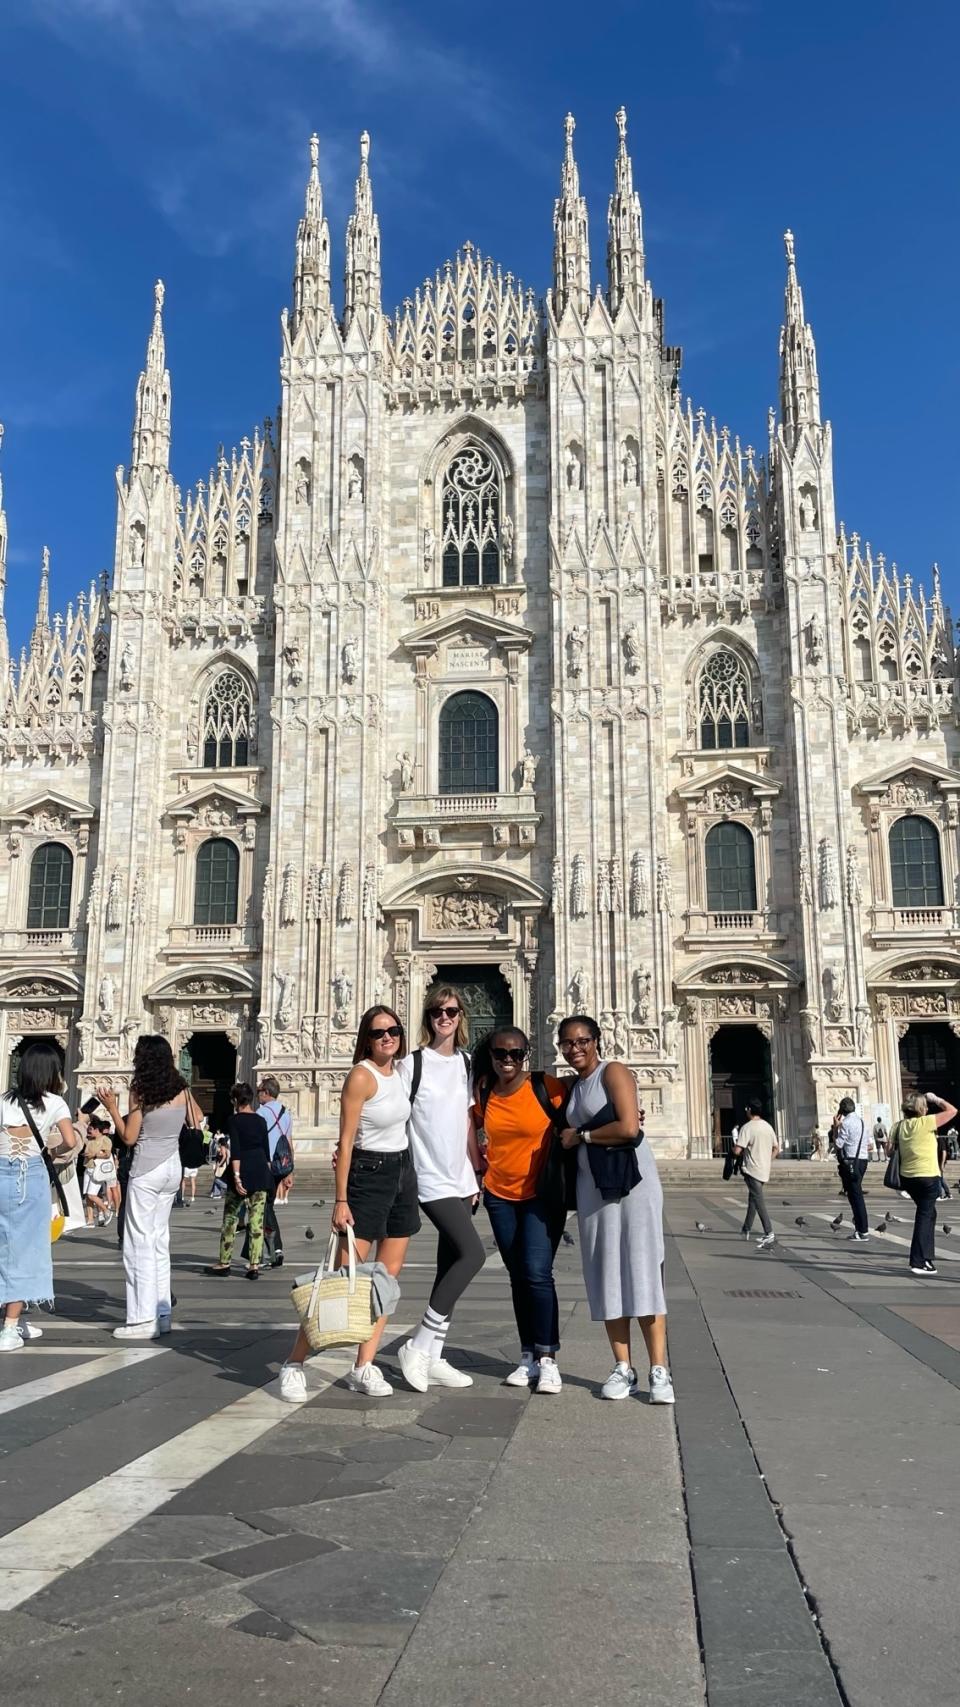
508, 1054
568, 1043
385, 1031
444, 1013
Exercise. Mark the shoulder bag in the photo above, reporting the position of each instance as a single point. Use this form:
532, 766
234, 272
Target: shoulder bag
891, 1177
193, 1152
59, 1208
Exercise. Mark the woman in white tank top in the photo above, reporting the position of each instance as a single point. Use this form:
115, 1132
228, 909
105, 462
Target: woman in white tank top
376, 1185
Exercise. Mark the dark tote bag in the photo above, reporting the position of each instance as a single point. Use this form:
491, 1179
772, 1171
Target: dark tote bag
891, 1177
193, 1151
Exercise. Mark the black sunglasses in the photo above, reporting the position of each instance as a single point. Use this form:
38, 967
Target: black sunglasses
444, 1013
387, 1031
508, 1054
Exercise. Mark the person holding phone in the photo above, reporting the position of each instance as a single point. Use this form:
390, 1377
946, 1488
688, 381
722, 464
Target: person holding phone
26, 1263
376, 1185
249, 1182
915, 1136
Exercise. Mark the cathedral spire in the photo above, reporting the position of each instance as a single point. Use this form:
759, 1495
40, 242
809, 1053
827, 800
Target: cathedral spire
311, 276
151, 424
624, 229
799, 383
41, 626
571, 243
361, 279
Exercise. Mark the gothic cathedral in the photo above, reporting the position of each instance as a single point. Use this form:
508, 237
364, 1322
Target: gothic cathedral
491, 658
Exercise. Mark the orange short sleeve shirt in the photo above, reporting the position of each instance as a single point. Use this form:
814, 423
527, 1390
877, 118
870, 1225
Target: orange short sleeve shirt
517, 1130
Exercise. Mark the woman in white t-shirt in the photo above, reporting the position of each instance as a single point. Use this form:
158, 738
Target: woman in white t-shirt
445, 1153
26, 1263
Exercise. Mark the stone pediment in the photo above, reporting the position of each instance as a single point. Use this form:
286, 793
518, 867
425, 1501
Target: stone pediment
726, 783
468, 627
214, 804
911, 782
48, 809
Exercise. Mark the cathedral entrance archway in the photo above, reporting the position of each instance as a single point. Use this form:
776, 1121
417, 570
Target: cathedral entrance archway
208, 1062
486, 993
13, 1071
930, 1061
740, 1070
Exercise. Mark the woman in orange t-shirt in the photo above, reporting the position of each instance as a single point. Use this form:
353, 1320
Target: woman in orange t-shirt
518, 1131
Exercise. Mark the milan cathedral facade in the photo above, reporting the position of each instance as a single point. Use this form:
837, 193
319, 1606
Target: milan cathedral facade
491, 657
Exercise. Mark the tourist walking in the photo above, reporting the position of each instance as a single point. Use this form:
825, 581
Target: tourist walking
160, 1105
249, 1182
436, 1078
279, 1126
855, 1148
915, 1136
376, 1187
516, 1111
26, 1262
757, 1143
619, 1209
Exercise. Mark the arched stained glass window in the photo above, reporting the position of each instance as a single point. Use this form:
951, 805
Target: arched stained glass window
916, 872
227, 714
470, 550
218, 882
723, 701
731, 870
51, 884
469, 739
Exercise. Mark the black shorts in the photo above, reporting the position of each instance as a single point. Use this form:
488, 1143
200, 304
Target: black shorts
382, 1194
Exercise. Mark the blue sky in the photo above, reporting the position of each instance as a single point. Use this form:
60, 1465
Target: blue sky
145, 138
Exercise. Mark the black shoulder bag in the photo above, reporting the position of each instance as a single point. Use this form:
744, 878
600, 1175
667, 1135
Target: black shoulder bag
891, 1177
192, 1148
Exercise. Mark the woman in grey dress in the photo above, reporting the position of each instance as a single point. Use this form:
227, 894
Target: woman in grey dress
619, 1210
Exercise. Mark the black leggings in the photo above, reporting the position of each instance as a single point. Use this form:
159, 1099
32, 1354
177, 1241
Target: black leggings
459, 1250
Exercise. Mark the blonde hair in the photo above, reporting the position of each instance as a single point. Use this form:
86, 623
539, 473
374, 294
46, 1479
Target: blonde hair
436, 994
914, 1105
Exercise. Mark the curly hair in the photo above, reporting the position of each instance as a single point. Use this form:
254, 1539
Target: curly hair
484, 1071
155, 1078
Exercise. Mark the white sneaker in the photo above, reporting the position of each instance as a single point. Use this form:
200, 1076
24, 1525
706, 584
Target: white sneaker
620, 1384
27, 1331
661, 1386
549, 1381
415, 1366
369, 1381
137, 1331
164, 1321
107, 1218
526, 1372
293, 1383
443, 1374
765, 1243
10, 1339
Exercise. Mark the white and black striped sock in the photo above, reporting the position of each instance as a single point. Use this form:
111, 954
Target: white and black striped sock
431, 1334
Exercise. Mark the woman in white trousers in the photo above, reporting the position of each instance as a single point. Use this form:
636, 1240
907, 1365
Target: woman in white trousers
160, 1103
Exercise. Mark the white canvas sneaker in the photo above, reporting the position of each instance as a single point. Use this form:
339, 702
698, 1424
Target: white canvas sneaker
10, 1339
137, 1331
414, 1366
369, 1382
526, 1372
444, 1374
28, 1333
293, 1383
549, 1381
620, 1384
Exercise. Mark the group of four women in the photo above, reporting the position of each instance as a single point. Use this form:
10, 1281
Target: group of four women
433, 1131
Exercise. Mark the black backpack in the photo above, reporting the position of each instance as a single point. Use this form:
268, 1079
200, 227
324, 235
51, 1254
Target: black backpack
417, 1059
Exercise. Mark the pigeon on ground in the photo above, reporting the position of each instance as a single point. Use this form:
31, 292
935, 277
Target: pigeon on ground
569, 1239
309, 1233
786, 1202
701, 1226
945, 1228
799, 1221
880, 1227
837, 1222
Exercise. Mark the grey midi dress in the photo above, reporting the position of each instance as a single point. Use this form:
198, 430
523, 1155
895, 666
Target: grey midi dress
621, 1244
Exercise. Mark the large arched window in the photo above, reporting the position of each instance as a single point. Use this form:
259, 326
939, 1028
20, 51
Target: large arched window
468, 745
916, 873
227, 713
51, 882
731, 870
723, 701
218, 882
471, 503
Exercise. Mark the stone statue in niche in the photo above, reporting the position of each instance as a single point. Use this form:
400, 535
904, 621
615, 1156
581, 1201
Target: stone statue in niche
607, 1033
114, 902
105, 1001
629, 465
862, 1029
668, 1029
808, 510
127, 666
834, 985
506, 539
342, 986
285, 998
350, 660
137, 545
355, 480
574, 467
291, 657
405, 762
301, 488
621, 1037
579, 989
815, 639
576, 647
633, 647
429, 547
528, 769
643, 986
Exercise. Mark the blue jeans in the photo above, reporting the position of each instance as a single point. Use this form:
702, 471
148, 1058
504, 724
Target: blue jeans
527, 1239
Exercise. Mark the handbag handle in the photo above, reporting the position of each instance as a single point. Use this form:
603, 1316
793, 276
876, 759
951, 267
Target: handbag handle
47, 1160
326, 1267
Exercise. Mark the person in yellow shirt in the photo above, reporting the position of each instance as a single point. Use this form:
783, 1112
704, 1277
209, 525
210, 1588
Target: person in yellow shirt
915, 1136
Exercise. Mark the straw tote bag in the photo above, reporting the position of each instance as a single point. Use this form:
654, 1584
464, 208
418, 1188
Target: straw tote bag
337, 1309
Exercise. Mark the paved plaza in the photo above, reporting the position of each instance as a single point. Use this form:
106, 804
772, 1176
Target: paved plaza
171, 1531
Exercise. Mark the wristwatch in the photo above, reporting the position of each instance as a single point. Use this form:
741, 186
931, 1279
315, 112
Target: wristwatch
584, 1136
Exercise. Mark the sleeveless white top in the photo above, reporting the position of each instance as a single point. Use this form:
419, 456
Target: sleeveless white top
383, 1123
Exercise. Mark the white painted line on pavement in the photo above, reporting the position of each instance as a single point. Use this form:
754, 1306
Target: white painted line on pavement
47, 1386
40, 1551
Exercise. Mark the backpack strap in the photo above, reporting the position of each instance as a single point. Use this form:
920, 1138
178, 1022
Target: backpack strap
539, 1087
417, 1059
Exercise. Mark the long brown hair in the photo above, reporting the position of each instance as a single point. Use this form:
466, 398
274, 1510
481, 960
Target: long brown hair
363, 1049
437, 994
